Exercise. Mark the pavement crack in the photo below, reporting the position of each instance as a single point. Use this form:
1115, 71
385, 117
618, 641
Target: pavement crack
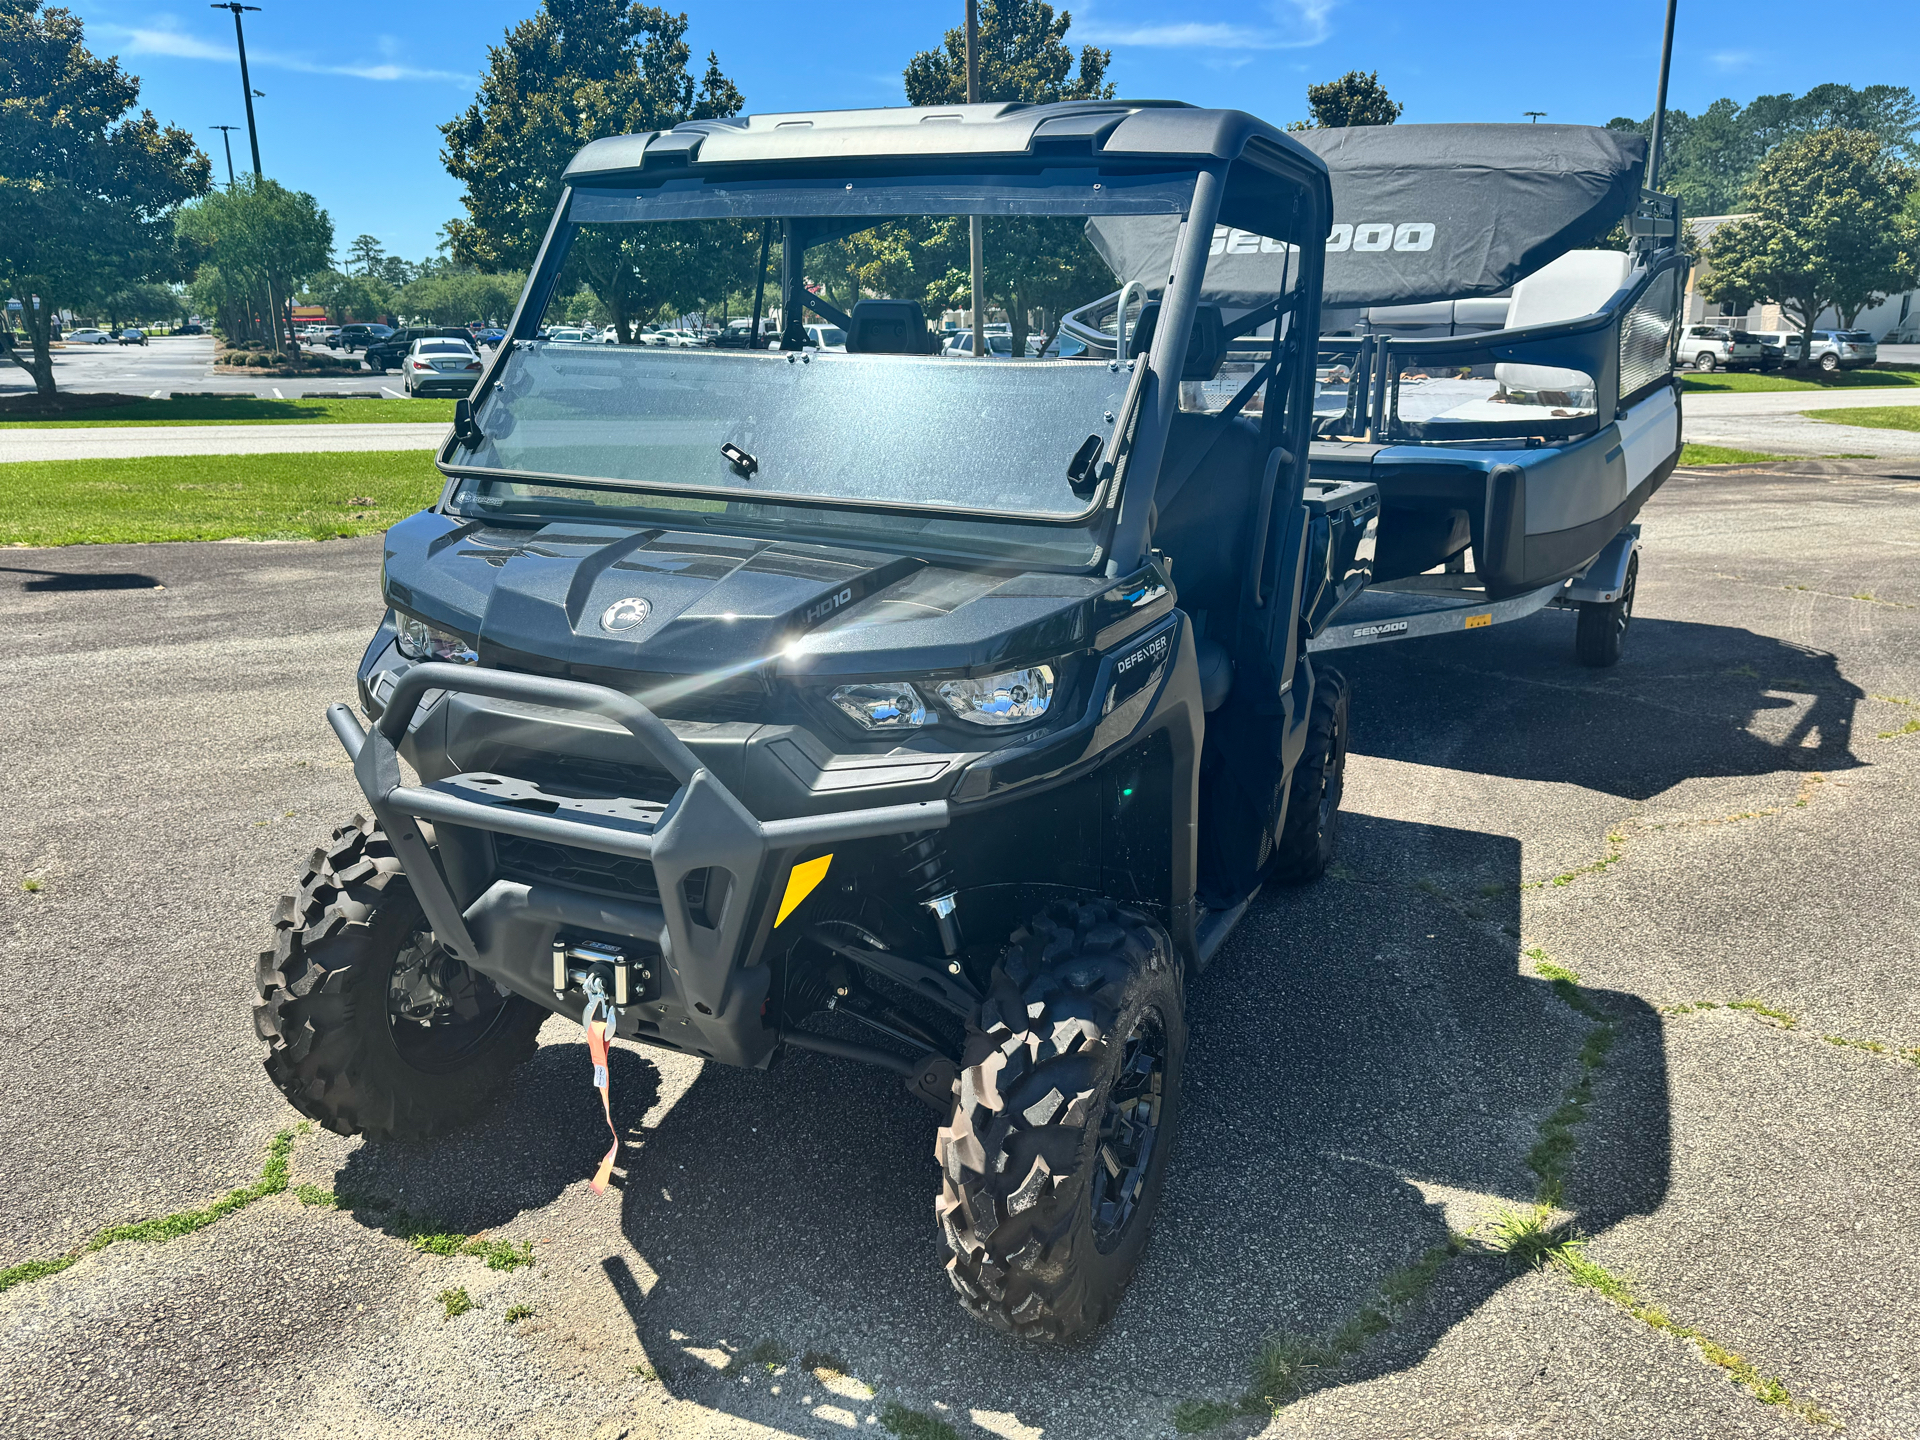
1542, 1237
1780, 1019
272, 1181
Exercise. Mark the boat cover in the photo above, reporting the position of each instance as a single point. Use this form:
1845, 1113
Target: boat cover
1421, 213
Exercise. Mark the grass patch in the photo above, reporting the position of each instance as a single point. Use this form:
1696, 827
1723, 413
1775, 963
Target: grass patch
215, 497
30, 885
915, 1425
1726, 455
272, 1181
520, 1311
251, 410
1907, 728
499, 1255
1747, 381
456, 1300
1873, 417
1527, 1236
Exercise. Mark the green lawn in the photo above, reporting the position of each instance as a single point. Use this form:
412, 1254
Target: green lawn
1875, 417
1724, 380
214, 497
251, 410
1725, 455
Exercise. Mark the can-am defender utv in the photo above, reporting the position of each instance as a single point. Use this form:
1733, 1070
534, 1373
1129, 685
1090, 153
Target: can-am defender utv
933, 711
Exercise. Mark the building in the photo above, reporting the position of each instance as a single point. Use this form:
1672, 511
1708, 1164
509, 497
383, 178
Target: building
1893, 317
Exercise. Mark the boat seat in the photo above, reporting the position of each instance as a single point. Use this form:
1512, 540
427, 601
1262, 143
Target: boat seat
1578, 283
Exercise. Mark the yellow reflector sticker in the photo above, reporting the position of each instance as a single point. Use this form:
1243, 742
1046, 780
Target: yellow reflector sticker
801, 881
1479, 620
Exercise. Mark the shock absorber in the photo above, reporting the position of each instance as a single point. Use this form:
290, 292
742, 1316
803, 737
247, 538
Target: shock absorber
930, 880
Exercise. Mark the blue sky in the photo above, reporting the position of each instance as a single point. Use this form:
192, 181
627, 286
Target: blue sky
354, 89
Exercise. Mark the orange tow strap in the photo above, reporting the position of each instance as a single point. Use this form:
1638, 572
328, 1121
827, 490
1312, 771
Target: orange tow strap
597, 1048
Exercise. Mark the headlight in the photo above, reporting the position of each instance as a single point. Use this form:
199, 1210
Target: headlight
1012, 698
885, 705
419, 641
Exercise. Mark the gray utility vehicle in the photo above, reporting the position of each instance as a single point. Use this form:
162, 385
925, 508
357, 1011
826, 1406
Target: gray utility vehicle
937, 716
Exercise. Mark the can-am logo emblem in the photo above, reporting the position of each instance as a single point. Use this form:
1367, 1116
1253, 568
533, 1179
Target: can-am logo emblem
625, 614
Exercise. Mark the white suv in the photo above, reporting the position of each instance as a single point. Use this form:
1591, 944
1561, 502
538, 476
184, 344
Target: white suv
1843, 349
1716, 347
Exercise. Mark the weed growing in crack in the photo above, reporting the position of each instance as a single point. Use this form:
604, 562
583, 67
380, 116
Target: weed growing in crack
1528, 1237
770, 1355
273, 1180
499, 1255
1910, 1054
915, 1425
1288, 1362
1784, 1019
520, 1311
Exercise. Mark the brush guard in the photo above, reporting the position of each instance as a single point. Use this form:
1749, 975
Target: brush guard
702, 828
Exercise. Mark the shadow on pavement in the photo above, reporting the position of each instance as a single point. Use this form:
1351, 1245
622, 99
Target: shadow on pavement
1687, 700
1363, 1055
72, 580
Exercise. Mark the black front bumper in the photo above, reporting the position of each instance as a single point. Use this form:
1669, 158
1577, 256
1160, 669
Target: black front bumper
710, 997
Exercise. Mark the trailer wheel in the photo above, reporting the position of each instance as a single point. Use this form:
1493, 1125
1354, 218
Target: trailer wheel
1704, 361
1070, 1092
371, 1029
1306, 843
1601, 627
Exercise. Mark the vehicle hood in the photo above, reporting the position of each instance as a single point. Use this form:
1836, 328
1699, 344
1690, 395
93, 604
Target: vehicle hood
546, 599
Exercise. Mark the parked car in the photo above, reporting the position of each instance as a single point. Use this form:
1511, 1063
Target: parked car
488, 335
87, 335
189, 329
826, 337
1718, 347
999, 346
1843, 349
133, 335
1778, 347
440, 365
568, 335
388, 352
360, 336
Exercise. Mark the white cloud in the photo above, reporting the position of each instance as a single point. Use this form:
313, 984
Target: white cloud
1731, 59
1292, 25
165, 38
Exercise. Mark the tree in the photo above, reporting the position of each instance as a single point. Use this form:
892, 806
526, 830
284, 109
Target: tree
1832, 226
1709, 159
1021, 54
348, 296
577, 71
266, 241
366, 252
1031, 261
87, 191
1354, 99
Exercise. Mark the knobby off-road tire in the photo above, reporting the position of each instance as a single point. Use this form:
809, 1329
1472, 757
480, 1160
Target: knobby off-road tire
335, 1047
1306, 843
1065, 1112
1601, 626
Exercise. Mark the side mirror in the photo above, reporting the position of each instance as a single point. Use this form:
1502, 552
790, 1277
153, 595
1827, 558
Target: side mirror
466, 429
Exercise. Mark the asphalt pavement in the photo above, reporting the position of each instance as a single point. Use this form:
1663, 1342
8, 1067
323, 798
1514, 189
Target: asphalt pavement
1728, 815
167, 364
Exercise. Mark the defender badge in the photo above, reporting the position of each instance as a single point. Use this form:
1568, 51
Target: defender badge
625, 614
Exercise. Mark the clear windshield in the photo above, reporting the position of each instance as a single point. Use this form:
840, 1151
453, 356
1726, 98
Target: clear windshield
696, 408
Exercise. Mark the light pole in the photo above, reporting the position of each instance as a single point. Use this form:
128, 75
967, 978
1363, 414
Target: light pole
1661, 103
1534, 116
227, 139
246, 85
976, 246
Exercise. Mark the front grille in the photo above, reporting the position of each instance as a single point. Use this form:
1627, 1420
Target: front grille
620, 877
523, 860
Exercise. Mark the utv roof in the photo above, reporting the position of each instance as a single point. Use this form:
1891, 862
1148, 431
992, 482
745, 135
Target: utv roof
1118, 128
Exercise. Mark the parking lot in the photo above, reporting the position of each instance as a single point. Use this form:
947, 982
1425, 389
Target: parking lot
166, 364
1728, 816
